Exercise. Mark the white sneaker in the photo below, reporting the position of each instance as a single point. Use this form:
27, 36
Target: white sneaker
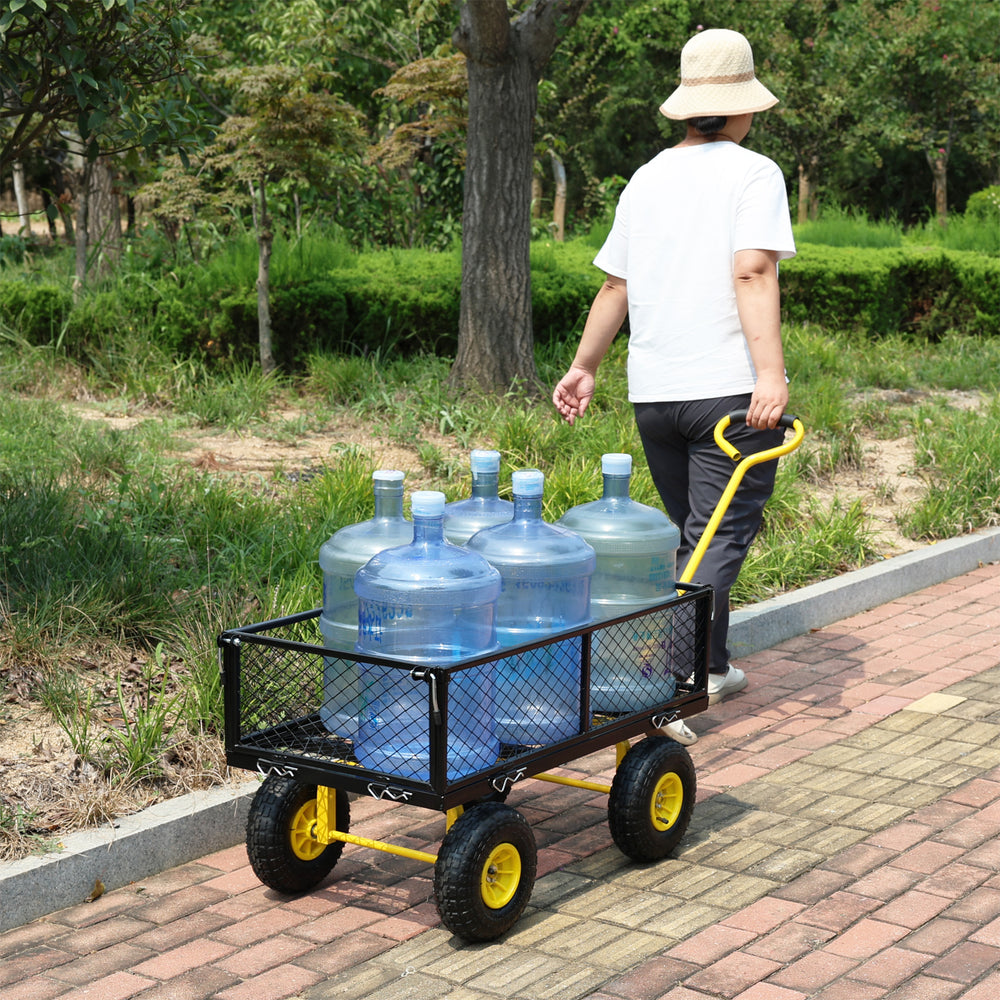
720, 685
679, 731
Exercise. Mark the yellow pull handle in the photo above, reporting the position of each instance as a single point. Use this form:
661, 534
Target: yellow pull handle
722, 506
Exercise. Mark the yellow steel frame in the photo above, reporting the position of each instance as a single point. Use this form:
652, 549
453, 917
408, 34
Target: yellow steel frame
326, 832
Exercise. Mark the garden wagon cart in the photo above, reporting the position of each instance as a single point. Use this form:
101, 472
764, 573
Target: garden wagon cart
273, 681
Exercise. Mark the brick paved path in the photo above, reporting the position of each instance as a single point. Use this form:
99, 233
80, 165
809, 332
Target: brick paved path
844, 847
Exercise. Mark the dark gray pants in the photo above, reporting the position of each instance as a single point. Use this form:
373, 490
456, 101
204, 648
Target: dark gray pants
690, 473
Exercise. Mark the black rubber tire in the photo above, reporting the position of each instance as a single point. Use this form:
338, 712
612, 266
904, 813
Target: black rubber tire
476, 900
652, 799
277, 821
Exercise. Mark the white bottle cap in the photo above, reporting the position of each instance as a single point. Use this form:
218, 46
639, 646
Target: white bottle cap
616, 464
485, 461
528, 482
387, 476
427, 503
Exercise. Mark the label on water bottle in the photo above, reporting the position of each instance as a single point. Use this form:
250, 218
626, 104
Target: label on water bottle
374, 619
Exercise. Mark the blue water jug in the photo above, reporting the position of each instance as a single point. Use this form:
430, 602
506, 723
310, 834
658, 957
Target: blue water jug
545, 572
428, 603
463, 518
340, 557
636, 548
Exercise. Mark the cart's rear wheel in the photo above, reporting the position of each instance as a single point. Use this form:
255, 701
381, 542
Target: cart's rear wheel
485, 871
652, 798
281, 835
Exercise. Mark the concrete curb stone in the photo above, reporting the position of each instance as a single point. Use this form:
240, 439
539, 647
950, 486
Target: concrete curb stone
185, 828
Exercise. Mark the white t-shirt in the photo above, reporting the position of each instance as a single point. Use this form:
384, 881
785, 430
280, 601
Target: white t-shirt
678, 224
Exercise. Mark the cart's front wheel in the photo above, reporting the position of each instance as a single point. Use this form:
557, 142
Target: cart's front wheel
652, 798
485, 871
281, 835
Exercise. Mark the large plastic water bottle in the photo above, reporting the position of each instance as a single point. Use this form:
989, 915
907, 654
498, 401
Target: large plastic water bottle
546, 574
427, 603
340, 557
463, 518
636, 548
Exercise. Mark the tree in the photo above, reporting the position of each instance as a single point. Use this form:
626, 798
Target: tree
287, 133
926, 75
88, 73
504, 58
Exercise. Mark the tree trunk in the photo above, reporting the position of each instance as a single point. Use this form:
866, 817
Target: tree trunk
82, 212
104, 220
265, 240
938, 162
803, 211
505, 60
21, 197
536, 197
559, 205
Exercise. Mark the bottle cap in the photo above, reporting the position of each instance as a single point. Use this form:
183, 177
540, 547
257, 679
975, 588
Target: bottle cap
387, 476
616, 464
485, 461
528, 482
427, 503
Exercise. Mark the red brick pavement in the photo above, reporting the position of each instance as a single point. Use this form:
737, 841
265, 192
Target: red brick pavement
910, 911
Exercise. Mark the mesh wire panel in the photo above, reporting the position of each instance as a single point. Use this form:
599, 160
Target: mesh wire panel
312, 702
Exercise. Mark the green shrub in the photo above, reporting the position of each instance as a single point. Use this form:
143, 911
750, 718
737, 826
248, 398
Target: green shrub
35, 312
883, 291
984, 206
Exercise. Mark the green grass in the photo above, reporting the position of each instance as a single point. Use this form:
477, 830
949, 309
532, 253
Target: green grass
837, 227
112, 538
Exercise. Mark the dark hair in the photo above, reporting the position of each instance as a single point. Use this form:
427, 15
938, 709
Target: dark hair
710, 124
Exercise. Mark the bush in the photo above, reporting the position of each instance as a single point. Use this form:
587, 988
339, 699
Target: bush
984, 206
883, 291
35, 312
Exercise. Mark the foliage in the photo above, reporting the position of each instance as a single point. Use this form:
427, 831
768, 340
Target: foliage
927, 75
837, 227
379, 304
885, 290
984, 206
93, 68
36, 312
436, 90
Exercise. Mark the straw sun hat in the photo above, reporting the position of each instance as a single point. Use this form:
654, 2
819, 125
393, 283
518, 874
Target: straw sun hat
717, 78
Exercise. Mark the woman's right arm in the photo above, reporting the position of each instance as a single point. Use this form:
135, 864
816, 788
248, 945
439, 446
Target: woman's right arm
607, 313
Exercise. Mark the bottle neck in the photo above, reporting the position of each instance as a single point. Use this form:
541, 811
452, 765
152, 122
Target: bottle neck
428, 529
485, 484
388, 503
527, 508
616, 486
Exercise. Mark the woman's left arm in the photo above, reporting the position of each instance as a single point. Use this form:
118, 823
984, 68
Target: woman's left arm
755, 274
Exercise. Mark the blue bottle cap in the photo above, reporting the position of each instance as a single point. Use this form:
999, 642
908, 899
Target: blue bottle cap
387, 476
427, 503
528, 482
616, 464
485, 461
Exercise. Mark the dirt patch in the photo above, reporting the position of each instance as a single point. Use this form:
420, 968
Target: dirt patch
259, 452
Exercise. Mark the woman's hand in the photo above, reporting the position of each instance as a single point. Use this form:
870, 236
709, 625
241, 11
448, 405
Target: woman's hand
768, 402
573, 393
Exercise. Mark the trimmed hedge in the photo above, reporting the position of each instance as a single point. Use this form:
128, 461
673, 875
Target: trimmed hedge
885, 290
923, 291
407, 301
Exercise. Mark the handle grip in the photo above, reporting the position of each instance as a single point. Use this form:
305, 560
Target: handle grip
787, 420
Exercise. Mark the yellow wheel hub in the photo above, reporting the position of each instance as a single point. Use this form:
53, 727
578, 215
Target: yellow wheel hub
501, 876
668, 798
302, 833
